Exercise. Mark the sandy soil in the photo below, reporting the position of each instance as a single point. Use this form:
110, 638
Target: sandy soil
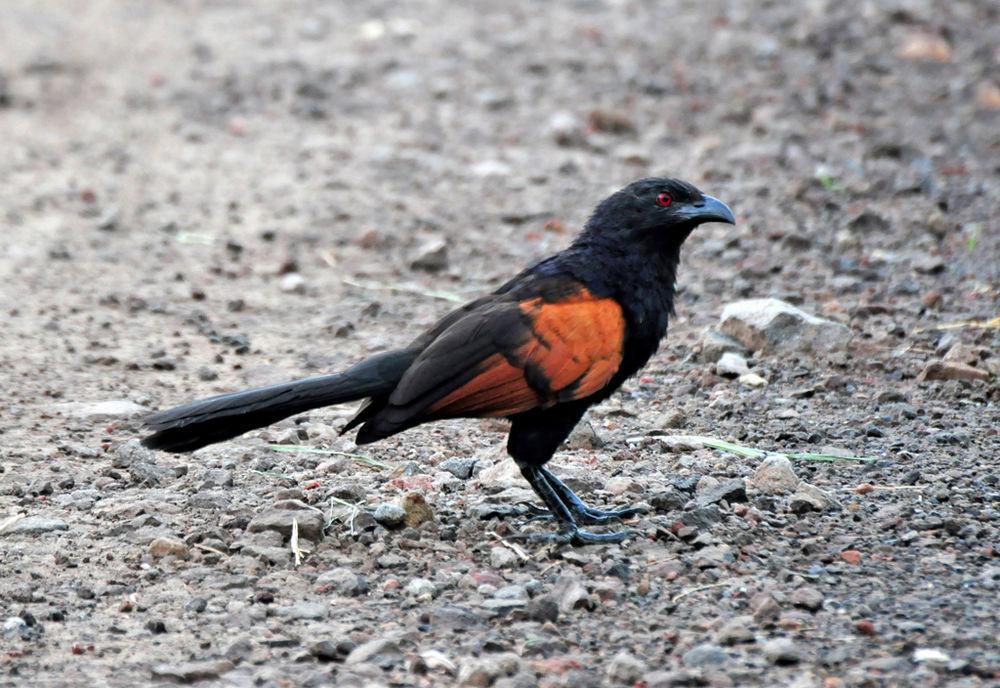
204, 194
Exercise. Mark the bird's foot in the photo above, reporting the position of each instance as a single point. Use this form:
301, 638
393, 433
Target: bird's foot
598, 517
586, 515
574, 536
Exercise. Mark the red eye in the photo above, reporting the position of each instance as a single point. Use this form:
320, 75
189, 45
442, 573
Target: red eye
664, 200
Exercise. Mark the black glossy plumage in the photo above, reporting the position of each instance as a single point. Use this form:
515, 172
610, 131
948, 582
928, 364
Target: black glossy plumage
562, 335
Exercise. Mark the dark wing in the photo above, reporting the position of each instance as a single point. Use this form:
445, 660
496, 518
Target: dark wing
507, 356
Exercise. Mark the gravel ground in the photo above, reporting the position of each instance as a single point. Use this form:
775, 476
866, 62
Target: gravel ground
199, 196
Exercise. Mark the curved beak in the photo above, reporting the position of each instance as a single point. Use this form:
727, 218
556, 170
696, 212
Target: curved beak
709, 209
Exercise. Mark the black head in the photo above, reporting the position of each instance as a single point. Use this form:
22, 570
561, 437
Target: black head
657, 211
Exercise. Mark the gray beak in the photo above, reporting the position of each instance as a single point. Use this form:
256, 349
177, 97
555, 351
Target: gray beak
708, 210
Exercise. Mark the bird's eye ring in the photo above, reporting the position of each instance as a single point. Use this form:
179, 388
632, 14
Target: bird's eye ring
664, 199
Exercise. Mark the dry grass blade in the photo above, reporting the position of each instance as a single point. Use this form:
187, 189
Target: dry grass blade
754, 453
991, 324
700, 588
330, 517
206, 548
722, 445
511, 546
273, 474
294, 542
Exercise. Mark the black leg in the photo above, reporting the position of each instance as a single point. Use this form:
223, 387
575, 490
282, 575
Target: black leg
585, 514
534, 438
569, 531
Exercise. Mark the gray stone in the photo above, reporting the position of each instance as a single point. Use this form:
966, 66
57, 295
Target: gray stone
670, 679
503, 606
731, 491
131, 452
736, 630
703, 517
430, 256
808, 598
782, 651
584, 436
191, 672
382, 652
485, 671
511, 592
669, 500
343, 582
281, 515
765, 608
810, 498
572, 594
304, 610
34, 525
714, 345
775, 476
460, 468
773, 325
704, 655
390, 515
151, 473
713, 556
503, 558
543, 609
951, 370
625, 669
421, 587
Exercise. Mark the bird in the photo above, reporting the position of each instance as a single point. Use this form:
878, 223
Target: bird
561, 336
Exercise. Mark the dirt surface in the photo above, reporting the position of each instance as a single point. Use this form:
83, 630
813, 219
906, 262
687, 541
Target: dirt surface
203, 195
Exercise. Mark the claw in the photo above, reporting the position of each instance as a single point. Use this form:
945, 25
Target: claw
575, 536
586, 516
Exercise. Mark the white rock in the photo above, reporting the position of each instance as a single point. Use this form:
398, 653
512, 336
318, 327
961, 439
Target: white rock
566, 129
930, 654
421, 587
293, 283
752, 380
491, 168
99, 411
773, 325
732, 365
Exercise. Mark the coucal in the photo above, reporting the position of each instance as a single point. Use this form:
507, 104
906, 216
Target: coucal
558, 338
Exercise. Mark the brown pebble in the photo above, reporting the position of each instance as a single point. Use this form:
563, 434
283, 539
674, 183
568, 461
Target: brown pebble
851, 556
931, 299
417, 510
865, 627
864, 488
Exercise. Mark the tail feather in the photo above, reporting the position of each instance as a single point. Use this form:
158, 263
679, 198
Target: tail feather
219, 418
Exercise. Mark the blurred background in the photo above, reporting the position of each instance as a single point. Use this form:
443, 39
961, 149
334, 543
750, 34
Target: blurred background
197, 195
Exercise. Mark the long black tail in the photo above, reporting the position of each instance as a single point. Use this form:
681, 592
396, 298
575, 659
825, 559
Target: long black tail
219, 418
